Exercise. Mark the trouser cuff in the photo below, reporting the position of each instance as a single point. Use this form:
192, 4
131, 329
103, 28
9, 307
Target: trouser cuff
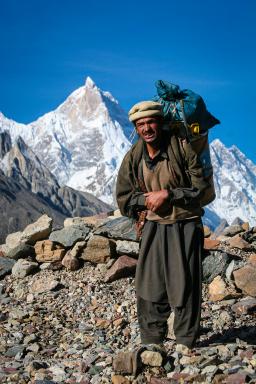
188, 342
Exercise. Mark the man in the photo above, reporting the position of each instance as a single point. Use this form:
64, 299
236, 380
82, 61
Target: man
169, 266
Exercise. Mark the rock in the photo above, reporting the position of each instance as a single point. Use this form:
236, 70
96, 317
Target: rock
14, 351
218, 289
124, 247
70, 262
252, 259
99, 250
237, 221
214, 264
13, 240
123, 363
246, 226
120, 228
48, 251
123, 267
238, 242
245, 279
118, 379
219, 230
42, 285
155, 380
88, 221
244, 307
6, 265
77, 249
237, 378
232, 230
22, 250
38, 230
211, 244
151, 358
69, 236
23, 268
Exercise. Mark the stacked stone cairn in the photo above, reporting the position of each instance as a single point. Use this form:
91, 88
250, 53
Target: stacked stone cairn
68, 307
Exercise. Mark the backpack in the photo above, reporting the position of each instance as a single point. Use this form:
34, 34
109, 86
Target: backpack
186, 114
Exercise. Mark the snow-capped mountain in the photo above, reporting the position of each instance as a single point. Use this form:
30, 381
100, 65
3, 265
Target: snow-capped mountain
235, 184
82, 142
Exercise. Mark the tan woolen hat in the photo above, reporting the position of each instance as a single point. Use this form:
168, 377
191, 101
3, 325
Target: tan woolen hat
145, 109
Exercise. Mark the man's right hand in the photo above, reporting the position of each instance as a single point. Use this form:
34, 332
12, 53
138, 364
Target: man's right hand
155, 200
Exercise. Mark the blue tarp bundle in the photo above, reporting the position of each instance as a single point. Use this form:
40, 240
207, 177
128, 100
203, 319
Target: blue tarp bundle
194, 106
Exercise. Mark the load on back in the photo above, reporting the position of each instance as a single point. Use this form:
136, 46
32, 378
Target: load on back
186, 114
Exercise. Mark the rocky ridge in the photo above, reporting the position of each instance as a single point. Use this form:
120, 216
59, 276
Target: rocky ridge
69, 308
25, 173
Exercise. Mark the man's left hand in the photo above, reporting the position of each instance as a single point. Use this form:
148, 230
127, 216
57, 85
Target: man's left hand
155, 200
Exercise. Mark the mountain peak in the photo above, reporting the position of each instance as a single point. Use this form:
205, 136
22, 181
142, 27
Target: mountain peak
89, 83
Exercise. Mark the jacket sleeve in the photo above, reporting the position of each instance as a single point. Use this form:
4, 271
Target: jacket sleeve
192, 195
128, 195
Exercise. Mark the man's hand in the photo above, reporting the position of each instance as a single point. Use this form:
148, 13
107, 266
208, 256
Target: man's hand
154, 200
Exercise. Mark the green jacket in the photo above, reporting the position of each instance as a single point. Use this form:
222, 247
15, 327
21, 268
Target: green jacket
189, 174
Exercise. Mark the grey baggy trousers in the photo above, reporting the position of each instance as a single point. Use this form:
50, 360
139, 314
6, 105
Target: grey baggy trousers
169, 275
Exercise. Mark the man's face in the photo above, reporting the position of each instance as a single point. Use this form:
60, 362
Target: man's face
149, 129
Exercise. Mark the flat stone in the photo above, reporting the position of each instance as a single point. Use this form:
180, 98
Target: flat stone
22, 250
13, 240
23, 268
245, 279
232, 230
215, 264
70, 262
99, 250
244, 307
218, 289
14, 350
124, 247
39, 230
151, 358
120, 228
70, 235
238, 242
44, 284
48, 251
118, 379
219, 230
123, 267
6, 265
211, 244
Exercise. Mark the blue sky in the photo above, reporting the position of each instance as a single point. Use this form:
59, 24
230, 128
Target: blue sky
48, 48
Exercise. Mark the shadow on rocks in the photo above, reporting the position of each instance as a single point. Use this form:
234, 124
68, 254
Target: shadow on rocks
244, 333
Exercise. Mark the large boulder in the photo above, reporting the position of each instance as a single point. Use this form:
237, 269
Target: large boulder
124, 266
124, 247
39, 230
22, 250
68, 236
23, 268
48, 252
245, 279
6, 265
99, 250
214, 264
120, 228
